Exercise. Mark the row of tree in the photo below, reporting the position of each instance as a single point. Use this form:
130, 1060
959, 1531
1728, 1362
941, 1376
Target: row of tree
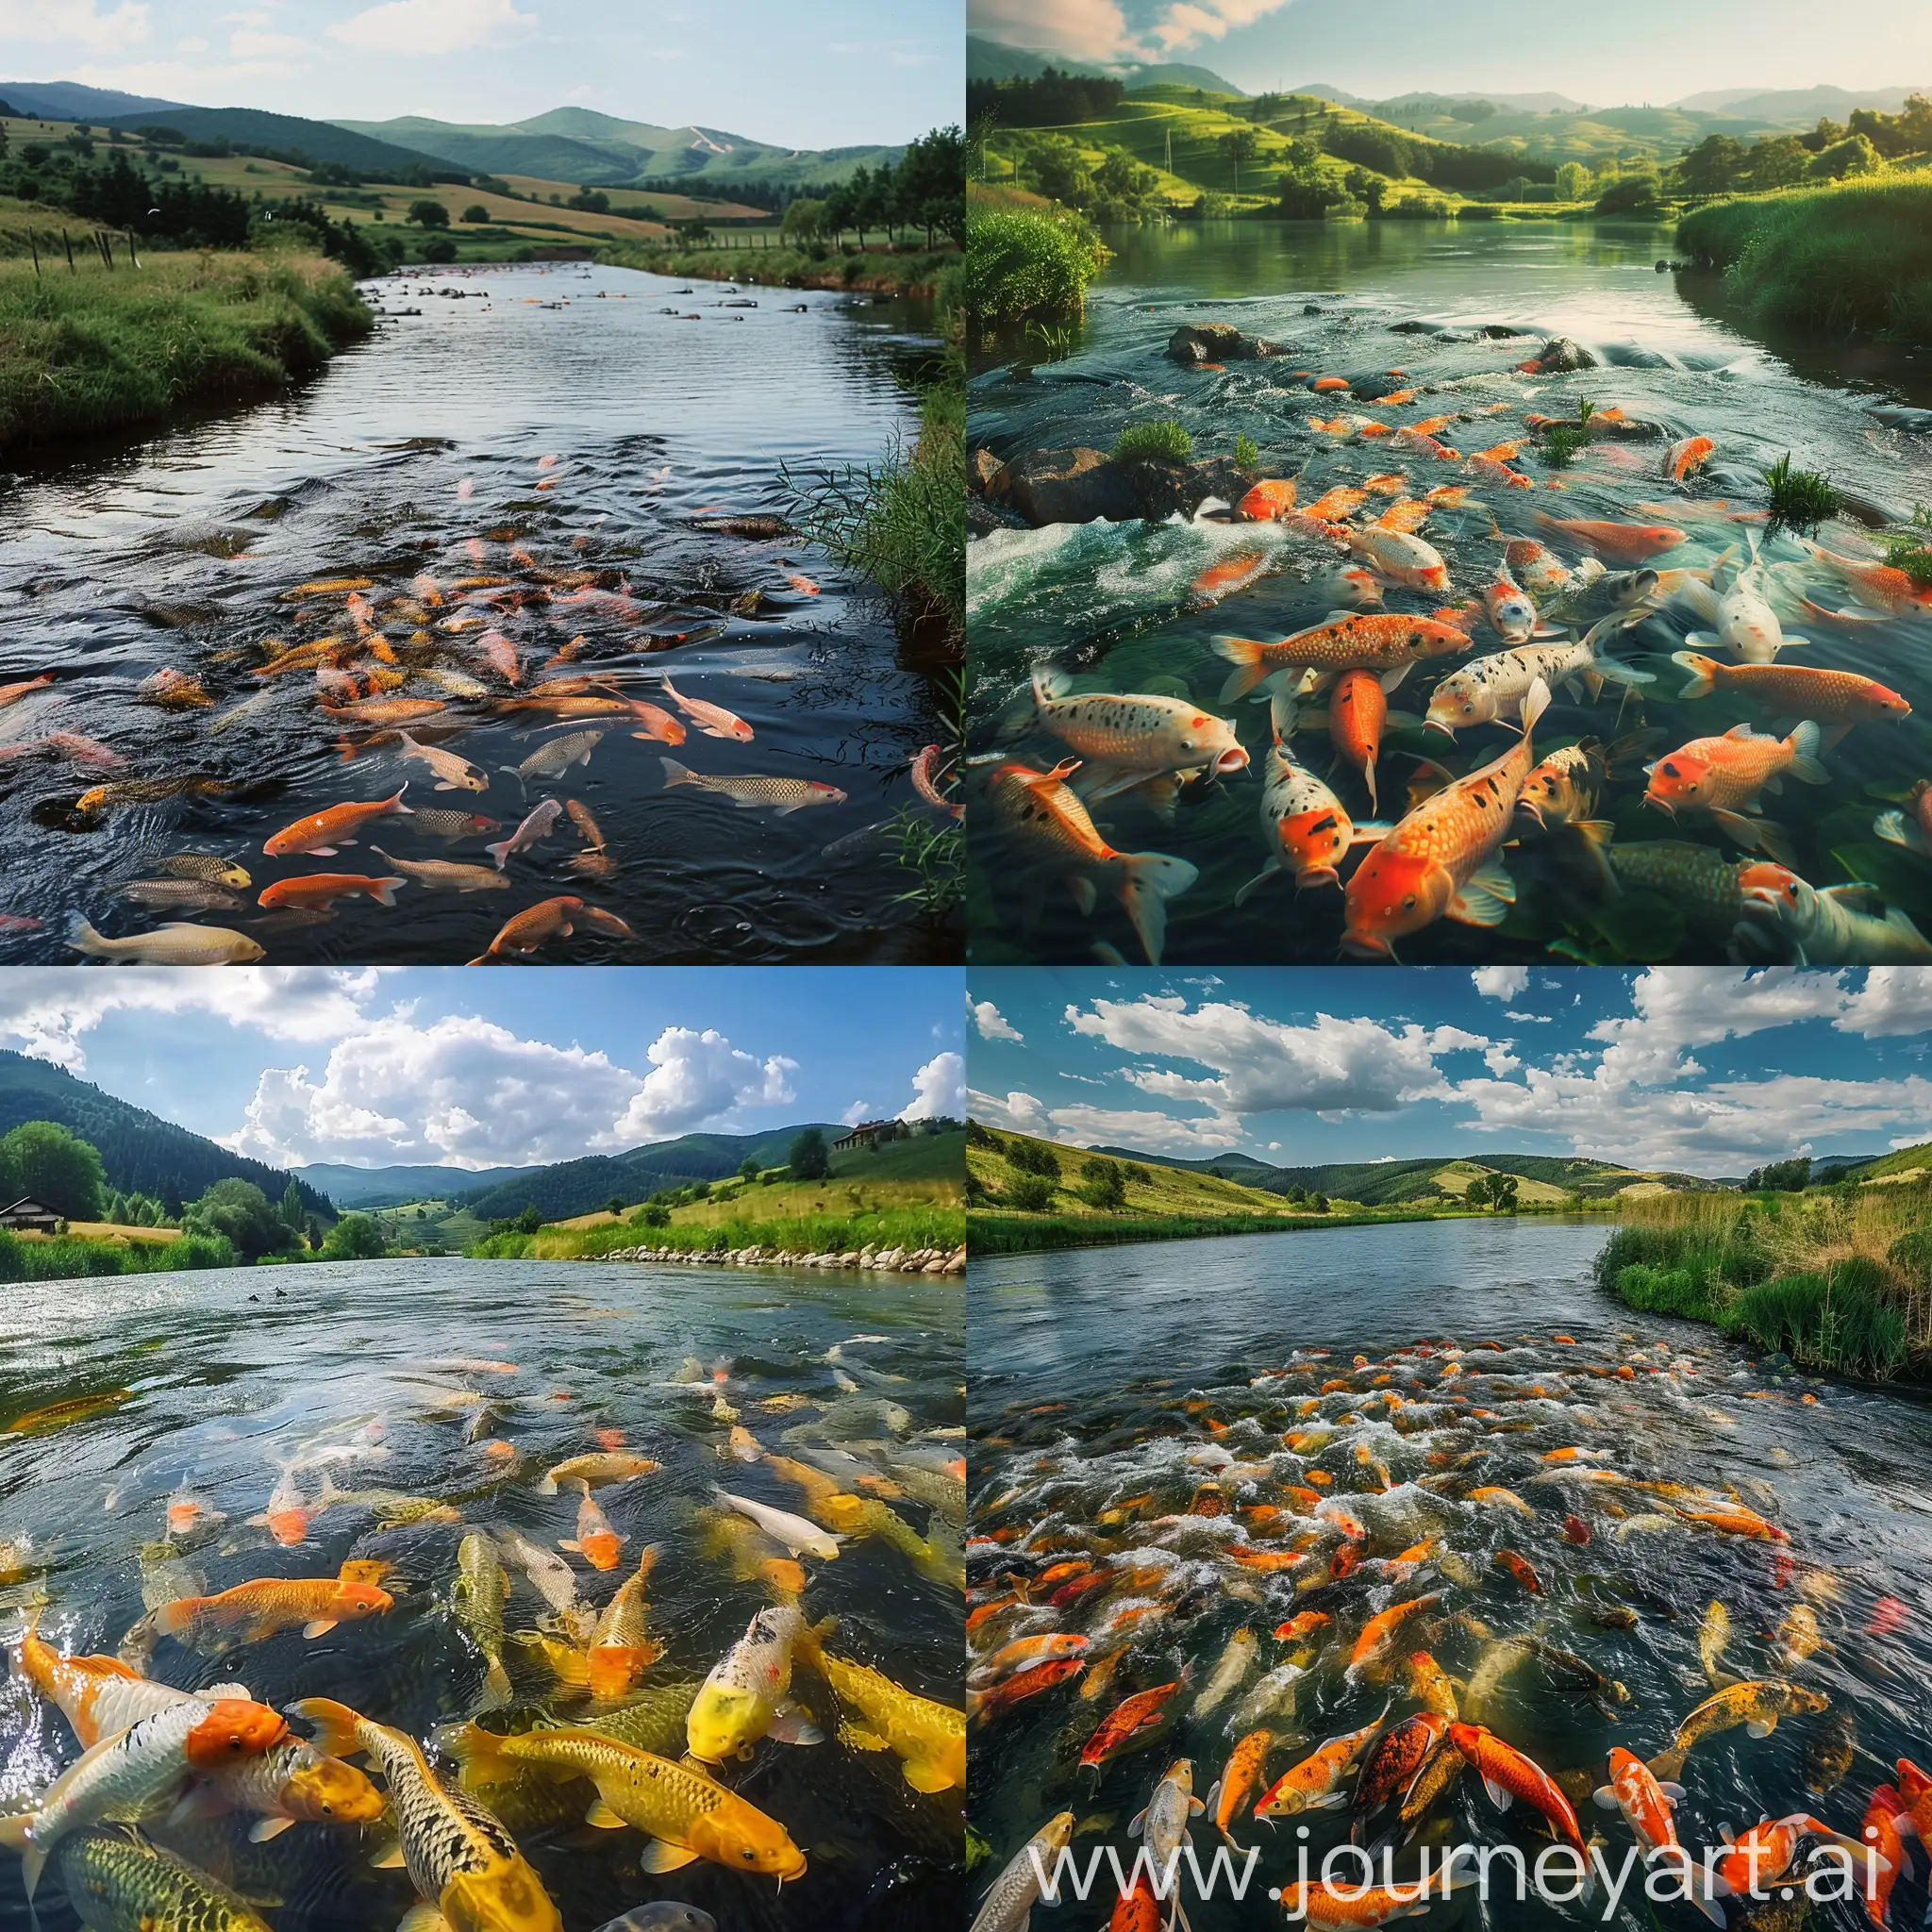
1780, 1177
928, 190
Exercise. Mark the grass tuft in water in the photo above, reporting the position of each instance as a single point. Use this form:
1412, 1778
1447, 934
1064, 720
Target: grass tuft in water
1167, 441
1246, 457
1911, 550
1800, 499
1563, 442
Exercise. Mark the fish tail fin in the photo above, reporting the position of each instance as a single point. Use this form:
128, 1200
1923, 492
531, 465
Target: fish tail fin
1896, 829
676, 774
1248, 656
1668, 1765
496, 1687
1701, 669
384, 891
170, 1620
475, 1749
396, 805
82, 938
1151, 880
1369, 776
336, 1725
1806, 765
500, 851
546, 1485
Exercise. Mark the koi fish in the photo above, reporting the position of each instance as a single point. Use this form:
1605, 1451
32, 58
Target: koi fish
1620, 542
1506, 1774
1126, 739
1724, 775
1795, 690
1389, 643
595, 1541
323, 833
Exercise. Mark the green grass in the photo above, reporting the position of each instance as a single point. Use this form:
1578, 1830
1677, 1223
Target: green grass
106, 350
1020, 1233
898, 520
1800, 499
64, 1259
1023, 265
1837, 1318
872, 271
1157, 441
1854, 255
925, 1225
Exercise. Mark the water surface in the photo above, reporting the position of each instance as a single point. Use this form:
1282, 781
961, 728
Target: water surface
232, 1371
1116, 608
540, 445
1126, 1379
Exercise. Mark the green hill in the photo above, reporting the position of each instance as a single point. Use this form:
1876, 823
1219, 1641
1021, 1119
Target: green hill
142, 1153
601, 151
990, 60
1156, 1189
289, 135
1547, 1178
1906, 1163
389, 1187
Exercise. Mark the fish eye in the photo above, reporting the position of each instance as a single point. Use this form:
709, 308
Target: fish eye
749, 1857
1409, 904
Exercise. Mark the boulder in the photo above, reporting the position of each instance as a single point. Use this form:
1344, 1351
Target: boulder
1196, 343
1161, 489
1560, 356
982, 466
1065, 485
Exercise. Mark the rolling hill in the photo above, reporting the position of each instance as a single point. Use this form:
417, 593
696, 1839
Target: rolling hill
601, 151
288, 134
1902, 1164
1169, 1190
990, 60
67, 100
141, 1152
1546, 1178
388, 1187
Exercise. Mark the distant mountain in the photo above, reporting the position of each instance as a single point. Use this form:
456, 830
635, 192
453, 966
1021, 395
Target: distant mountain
1390, 1183
141, 1152
601, 151
1521, 104
67, 100
990, 60
581, 1187
318, 141
1797, 107
389, 1187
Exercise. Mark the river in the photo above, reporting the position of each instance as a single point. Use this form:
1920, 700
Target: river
227, 1373
1133, 1408
1116, 608
517, 463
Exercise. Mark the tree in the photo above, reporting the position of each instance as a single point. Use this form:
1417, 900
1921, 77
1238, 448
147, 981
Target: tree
1034, 1157
427, 214
1573, 181
656, 1216
1713, 165
1240, 144
614, 1206
810, 1159
1843, 158
44, 1159
240, 1210
749, 1170
475, 212
294, 1214
1105, 1183
931, 185
802, 220
1031, 1194
1059, 170
1778, 162
354, 1237
528, 1221
1497, 1190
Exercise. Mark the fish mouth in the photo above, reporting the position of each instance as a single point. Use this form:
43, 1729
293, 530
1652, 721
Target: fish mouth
1366, 945
1232, 760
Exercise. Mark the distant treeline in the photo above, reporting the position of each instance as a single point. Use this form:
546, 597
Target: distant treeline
1470, 170
1053, 99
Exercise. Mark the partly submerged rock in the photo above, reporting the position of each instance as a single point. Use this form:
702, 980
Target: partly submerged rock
1560, 356
1074, 485
1196, 343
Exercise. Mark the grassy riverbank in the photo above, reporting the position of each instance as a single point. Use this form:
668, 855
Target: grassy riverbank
1028, 260
102, 350
908, 1196
1020, 1233
1837, 1277
1855, 255
869, 271
61, 1257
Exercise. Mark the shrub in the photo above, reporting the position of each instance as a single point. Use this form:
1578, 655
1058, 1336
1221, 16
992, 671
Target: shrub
427, 214
1835, 1319
1105, 1183
1020, 264
655, 1216
1911, 1254
1165, 442
475, 212
1034, 1157
1031, 1194
1246, 457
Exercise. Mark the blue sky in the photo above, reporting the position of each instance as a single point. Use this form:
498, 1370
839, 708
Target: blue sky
834, 73
440, 1066
1705, 1071
1639, 51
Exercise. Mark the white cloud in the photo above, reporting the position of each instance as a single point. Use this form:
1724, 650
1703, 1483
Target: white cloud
1680, 1007
991, 1022
1500, 1061
1017, 1112
1259, 1065
77, 21
469, 1092
1894, 999
1529, 1019
858, 1110
1087, 30
194, 44
696, 1077
1142, 1130
938, 1088
434, 26
46, 1010
251, 44
1501, 982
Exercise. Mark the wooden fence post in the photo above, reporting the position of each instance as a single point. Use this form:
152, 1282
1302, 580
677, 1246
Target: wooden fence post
30, 242
66, 241
133, 258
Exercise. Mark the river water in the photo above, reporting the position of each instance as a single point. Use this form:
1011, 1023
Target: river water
227, 1373
1116, 608
547, 436
1122, 1382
